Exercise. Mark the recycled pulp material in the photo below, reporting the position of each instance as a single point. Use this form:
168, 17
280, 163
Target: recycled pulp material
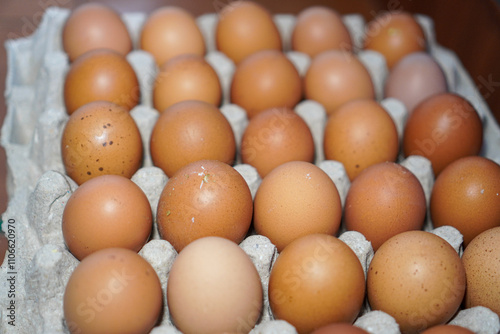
38, 187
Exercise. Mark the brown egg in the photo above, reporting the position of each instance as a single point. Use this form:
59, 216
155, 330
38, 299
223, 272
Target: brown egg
101, 138
447, 329
276, 136
335, 77
418, 279
267, 79
466, 196
171, 31
443, 128
394, 35
360, 133
340, 328
106, 211
101, 75
204, 198
316, 280
186, 77
245, 27
189, 131
318, 29
414, 78
113, 290
384, 200
295, 199
94, 26
213, 287
482, 268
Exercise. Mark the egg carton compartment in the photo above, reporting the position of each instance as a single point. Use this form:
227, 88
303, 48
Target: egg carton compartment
38, 187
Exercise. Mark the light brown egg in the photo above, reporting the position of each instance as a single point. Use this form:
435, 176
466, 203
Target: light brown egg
106, 211
101, 75
394, 35
443, 128
101, 138
335, 77
94, 26
113, 290
414, 78
318, 29
384, 200
213, 287
481, 260
189, 131
466, 195
276, 136
204, 198
171, 31
418, 279
186, 77
340, 328
447, 329
359, 134
245, 27
295, 199
267, 79
316, 280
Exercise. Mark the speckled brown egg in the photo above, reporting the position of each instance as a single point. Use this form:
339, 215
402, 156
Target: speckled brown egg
266, 79
481, 260
189, 131
171, 31
448, 329
245, 27
295, 199
443, 128
336, 77
466, 195
204, 198
340, 328
276, 136
359, 134
316, 280
385, 199
101, 75
320, 28
106, 211
101, 138
186, 77
418, 279
94, 26
113, 290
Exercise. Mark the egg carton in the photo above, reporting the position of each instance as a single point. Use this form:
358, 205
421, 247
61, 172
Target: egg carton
38, 187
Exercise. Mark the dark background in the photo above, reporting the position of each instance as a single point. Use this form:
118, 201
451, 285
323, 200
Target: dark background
471, 28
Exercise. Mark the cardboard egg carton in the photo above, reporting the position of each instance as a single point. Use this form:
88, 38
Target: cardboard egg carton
38, 187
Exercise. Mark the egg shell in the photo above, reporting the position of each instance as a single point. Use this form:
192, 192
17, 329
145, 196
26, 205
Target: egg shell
384, 200
276, 136
94, 26
316, 280
445, 329
214, 287
101, 75
106, 211
339, 328
188, 131
113, 290
245, 27
101, 138
466, 195
443, 128
266, 79
328, 70
204, 198
170, 31
481, 263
